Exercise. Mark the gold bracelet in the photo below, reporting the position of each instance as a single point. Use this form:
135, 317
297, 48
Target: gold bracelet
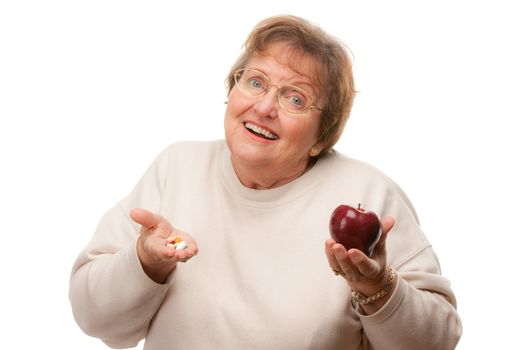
363, 299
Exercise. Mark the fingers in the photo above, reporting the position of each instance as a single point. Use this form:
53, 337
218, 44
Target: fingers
169, 253
367, 267
183, 252
332, 260
387, 223
371, 267
344, 259
338, 258
362, 273
144, 218
354, 263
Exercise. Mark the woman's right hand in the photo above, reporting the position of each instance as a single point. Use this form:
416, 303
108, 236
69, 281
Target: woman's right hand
157, 258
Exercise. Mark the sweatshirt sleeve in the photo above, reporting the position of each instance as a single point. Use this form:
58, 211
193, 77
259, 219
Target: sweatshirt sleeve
111, 296
421, 313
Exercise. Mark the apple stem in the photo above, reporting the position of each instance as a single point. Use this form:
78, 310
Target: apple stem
358, 206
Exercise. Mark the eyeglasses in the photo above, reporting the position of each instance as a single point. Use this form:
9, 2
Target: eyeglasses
292, 99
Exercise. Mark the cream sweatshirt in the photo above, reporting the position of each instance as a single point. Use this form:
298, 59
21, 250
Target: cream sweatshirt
261, 279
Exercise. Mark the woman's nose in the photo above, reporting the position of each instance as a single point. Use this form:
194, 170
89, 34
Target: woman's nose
268, 104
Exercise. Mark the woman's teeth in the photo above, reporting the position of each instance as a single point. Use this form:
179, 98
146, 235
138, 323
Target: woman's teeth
260, 131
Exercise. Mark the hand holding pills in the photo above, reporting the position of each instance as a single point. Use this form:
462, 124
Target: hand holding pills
177, 243
161, 246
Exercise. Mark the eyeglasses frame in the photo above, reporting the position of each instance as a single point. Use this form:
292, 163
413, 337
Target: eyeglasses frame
238, 73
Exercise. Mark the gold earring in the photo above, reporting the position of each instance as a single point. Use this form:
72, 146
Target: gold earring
314, 151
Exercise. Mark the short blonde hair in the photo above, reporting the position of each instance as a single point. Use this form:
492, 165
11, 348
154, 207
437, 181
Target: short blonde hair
332, 72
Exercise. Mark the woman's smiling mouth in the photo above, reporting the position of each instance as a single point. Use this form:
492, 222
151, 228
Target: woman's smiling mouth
258, 131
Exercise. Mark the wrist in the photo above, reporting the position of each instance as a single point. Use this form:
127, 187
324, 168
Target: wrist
366, 297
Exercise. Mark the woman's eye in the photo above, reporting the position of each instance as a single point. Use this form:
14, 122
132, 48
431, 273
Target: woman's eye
297, 101
255, 83
293, 98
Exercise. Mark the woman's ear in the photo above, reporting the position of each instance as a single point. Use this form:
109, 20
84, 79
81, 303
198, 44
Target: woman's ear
315, 150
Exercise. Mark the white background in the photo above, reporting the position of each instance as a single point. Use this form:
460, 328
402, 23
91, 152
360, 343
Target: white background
91, 91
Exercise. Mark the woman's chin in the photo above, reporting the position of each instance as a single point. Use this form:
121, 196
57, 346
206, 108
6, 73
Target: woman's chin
251, 157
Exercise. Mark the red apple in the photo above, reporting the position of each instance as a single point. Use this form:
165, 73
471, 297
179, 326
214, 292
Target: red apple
355, 228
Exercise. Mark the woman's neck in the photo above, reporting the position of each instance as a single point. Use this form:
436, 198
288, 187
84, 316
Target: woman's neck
263, 177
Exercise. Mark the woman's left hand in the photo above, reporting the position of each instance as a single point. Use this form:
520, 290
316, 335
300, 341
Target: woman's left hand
363, 274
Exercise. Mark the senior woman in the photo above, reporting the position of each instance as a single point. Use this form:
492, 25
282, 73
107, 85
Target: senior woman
256, 208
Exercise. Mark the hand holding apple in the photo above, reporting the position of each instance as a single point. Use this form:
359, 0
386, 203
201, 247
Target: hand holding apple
355, 228
364, 274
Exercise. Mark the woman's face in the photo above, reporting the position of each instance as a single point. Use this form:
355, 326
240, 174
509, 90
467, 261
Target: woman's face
258, 131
